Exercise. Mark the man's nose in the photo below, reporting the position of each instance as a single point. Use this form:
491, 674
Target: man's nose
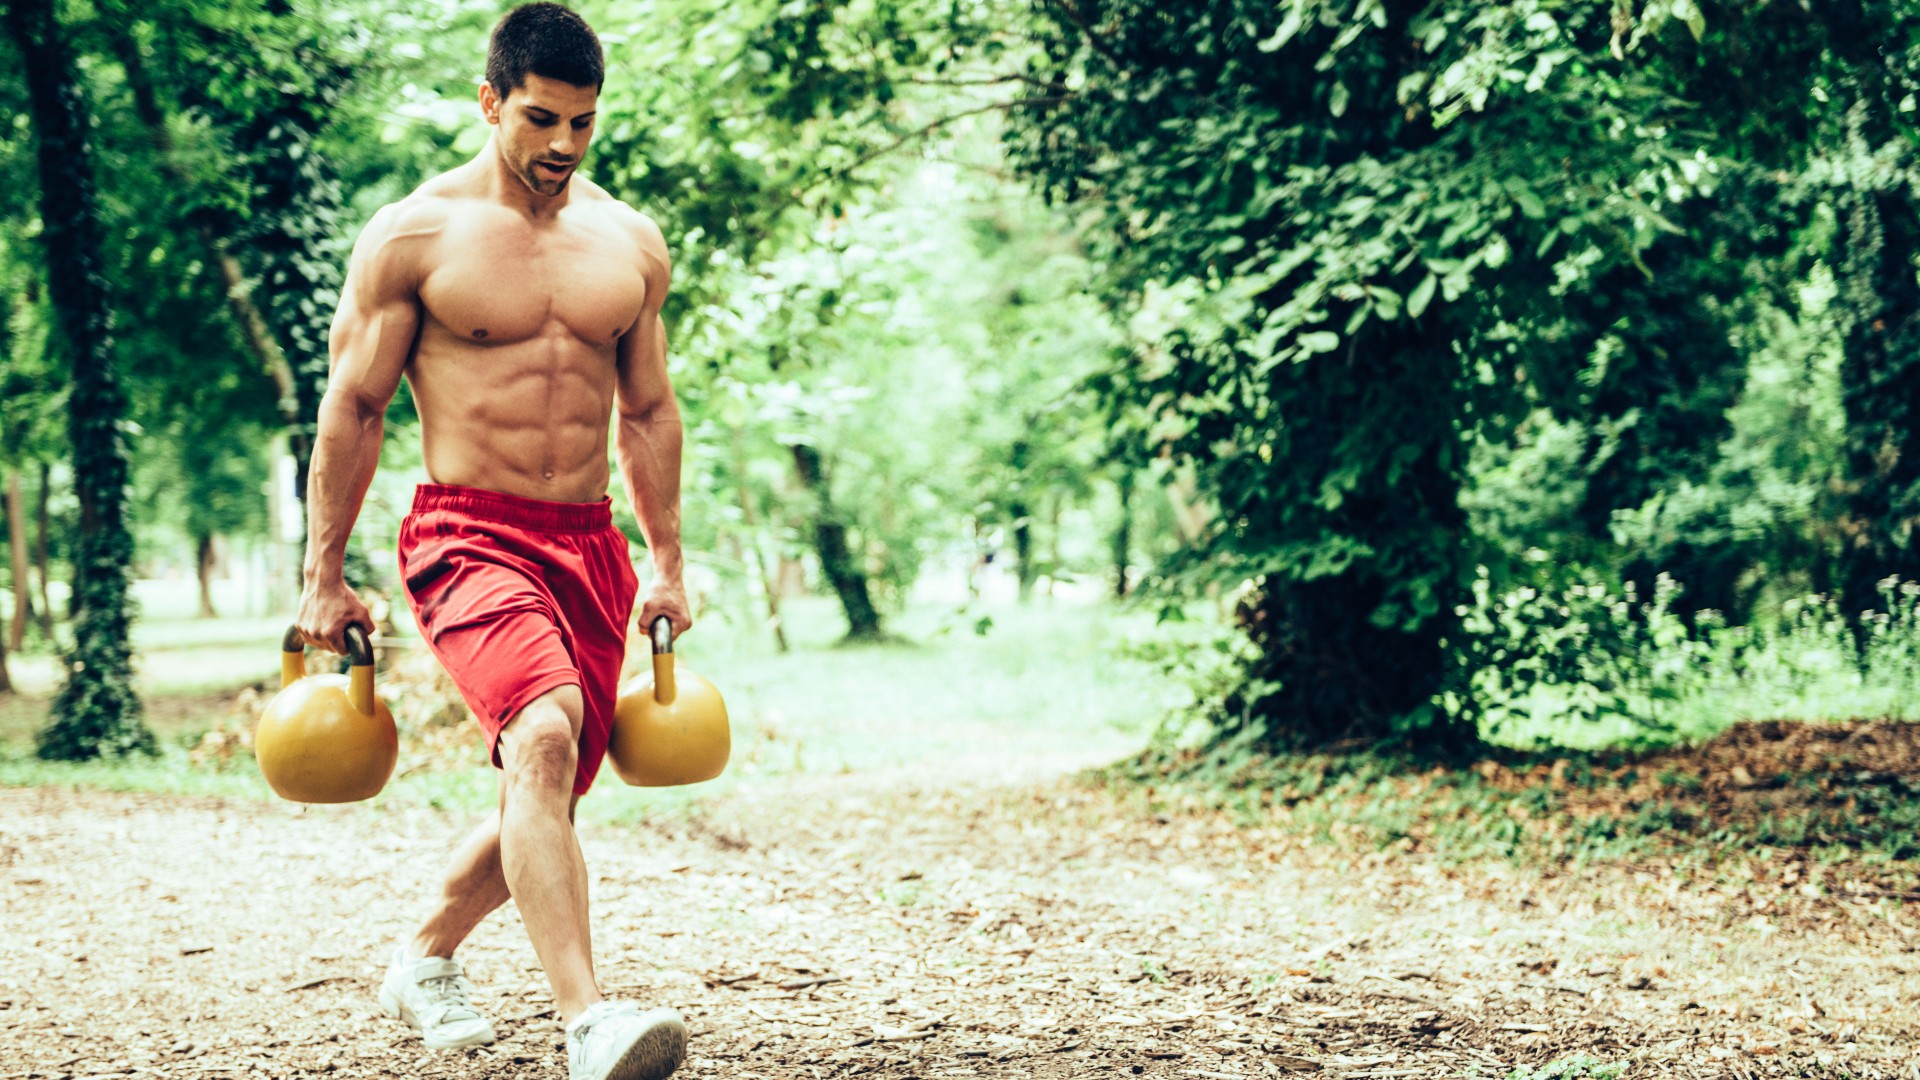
562, 144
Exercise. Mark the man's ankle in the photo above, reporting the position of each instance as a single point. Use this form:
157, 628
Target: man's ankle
572, 1010
422, 947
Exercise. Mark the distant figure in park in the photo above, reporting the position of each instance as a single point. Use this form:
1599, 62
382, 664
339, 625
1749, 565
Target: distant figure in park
522, 304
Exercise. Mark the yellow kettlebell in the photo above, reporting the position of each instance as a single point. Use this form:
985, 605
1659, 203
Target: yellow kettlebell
669, 727
326, 738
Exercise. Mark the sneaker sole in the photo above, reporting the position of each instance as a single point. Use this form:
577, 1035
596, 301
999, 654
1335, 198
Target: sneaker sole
398, 1009
656, 1053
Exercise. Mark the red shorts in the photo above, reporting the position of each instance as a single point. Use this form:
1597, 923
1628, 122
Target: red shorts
518, 596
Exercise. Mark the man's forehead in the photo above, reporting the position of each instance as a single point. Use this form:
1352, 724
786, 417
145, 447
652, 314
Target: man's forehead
555, 96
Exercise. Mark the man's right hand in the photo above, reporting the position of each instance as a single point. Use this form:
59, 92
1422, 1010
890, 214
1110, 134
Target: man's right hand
326, 610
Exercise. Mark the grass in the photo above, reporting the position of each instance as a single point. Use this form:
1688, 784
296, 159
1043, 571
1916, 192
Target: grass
1051, 689
1045, 689
1642, 676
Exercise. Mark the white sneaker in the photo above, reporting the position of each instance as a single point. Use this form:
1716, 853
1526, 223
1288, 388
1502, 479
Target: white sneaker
615, 1040
431, 994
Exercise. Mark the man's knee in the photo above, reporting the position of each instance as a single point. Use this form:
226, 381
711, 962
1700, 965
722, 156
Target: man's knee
541, 744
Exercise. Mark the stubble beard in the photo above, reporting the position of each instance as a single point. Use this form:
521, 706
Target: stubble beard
540, 185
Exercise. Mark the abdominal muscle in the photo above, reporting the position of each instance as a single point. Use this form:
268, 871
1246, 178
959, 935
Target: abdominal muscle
527, 418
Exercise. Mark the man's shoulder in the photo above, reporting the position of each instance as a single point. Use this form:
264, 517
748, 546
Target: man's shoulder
635, 222
421, 213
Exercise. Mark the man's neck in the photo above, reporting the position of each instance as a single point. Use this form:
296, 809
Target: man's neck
503, 186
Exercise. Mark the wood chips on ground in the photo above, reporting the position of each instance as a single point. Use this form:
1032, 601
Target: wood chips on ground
822, 928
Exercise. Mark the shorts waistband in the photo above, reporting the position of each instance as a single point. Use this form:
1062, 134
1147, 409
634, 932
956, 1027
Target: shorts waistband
516, 510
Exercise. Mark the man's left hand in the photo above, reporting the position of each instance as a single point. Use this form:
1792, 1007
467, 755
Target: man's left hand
667, 598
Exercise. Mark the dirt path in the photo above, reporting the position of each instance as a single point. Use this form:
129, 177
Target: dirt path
812, 931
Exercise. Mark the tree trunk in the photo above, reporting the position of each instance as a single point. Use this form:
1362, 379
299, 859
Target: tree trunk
22, 575
748, 525
1055, 506
96, 711
6, 680
206, 562
43, 522
1329, 675
1189, 516
1022, 515
1123, 537
830, 540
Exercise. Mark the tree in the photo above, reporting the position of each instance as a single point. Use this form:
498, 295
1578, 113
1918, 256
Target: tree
96, 711
1373, 235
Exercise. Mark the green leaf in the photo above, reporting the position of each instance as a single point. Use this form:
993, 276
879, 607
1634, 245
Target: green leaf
1320, 341
1289, 26
1421, 296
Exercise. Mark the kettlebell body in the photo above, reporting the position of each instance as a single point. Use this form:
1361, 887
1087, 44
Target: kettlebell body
326, 738
669, 725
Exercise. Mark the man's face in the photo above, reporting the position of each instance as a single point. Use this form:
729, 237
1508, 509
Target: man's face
544, 127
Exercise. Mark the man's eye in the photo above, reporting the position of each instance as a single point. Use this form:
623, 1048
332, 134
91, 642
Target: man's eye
540, 122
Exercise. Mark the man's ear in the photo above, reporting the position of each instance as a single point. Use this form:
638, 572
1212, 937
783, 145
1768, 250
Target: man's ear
490, 102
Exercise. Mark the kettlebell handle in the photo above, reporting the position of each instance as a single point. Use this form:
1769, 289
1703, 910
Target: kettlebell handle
664, 687
293, 664
359, 646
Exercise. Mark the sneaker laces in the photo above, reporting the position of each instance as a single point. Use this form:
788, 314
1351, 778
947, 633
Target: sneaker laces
451, 995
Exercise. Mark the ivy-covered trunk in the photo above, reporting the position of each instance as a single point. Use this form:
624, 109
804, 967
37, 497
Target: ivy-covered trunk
1880, 387
1354, 635
96, 711
298, 208
830, 541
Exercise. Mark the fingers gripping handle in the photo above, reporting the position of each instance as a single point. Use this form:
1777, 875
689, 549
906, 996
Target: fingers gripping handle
664, 688
293, 664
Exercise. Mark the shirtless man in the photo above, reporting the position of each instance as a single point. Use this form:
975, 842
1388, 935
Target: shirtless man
522, 303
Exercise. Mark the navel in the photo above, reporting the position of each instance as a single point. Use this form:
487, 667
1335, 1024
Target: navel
479, 333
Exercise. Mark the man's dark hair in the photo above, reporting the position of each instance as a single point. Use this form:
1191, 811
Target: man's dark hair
549, 40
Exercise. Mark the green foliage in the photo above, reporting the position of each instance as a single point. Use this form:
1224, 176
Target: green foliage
1351, 223
1427, 290
1498, 354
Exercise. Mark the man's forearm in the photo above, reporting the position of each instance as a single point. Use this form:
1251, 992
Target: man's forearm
648, 447
346, 450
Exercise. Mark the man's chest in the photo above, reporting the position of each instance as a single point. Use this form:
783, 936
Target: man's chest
502, 283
